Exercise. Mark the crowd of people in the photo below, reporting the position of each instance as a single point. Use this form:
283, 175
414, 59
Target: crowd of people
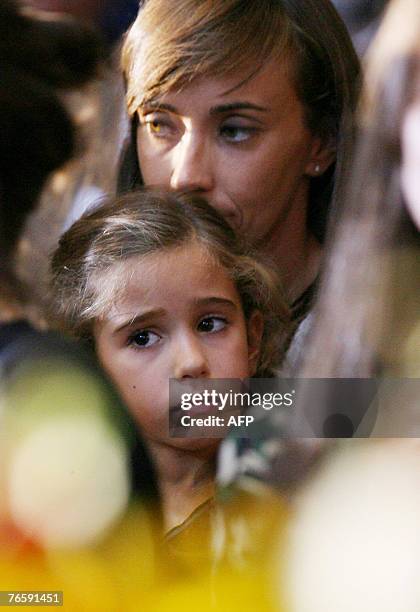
256, 220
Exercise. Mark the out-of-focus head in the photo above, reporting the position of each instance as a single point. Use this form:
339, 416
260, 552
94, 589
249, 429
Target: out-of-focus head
82, 9
37, 59
169, 48
111, 18
368, 304
362, 17
392, 99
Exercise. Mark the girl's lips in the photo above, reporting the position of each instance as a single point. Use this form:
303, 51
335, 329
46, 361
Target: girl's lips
194, 410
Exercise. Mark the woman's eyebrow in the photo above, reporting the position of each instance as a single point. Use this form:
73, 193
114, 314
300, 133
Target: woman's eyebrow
156, 105
234, 106
139, 319
214, 110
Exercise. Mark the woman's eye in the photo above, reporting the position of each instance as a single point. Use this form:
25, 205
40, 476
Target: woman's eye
236, 133
212, 324
144, 339
157, 126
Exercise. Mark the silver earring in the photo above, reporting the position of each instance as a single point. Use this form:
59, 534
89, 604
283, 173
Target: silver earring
317, 169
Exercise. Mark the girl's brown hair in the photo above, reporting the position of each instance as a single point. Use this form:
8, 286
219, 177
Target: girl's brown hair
171, 43
370, 295
85, 279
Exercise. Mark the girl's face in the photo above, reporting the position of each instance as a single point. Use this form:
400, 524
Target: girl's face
180, 316
410, 172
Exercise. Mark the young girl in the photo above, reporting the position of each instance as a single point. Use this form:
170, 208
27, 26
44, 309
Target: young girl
165, 289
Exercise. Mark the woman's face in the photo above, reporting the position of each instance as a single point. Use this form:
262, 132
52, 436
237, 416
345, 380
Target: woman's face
240, 143
410, 170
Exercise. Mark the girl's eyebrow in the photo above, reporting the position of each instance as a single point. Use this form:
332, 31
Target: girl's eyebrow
208, 301
139, 319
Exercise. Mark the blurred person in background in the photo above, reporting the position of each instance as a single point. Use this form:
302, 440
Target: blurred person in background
362, 17
367, 320
37, 134
70, 457
110, 17
97, 109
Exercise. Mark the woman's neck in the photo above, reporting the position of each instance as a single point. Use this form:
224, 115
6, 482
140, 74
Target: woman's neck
294, 249
186, 480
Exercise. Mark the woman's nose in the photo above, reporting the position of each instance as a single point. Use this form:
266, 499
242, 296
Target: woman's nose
191, 165
190, 359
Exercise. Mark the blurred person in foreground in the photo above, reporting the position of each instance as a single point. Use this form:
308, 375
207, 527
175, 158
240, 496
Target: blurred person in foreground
70, 458
367, 321
360, 515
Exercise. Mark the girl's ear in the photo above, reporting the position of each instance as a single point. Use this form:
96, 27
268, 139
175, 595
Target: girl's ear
255, 328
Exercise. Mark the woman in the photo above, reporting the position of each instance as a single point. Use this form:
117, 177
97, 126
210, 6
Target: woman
248, 104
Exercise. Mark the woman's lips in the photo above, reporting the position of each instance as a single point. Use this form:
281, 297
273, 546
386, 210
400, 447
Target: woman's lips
230, 212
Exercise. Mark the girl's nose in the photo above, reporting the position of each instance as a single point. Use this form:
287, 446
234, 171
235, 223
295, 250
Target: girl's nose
191, 165
190, 360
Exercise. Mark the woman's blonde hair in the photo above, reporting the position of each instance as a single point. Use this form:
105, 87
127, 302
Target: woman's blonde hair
85, 281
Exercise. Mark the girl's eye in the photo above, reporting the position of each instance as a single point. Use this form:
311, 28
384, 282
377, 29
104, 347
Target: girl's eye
143, 339
212, 324
236, 133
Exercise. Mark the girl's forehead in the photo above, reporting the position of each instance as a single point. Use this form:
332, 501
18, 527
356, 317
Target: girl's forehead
175, 271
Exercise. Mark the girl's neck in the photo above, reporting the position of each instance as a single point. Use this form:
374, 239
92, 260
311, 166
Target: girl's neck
186, 480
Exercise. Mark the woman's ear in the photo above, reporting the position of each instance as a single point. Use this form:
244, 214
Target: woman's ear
323, 154
255, 328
